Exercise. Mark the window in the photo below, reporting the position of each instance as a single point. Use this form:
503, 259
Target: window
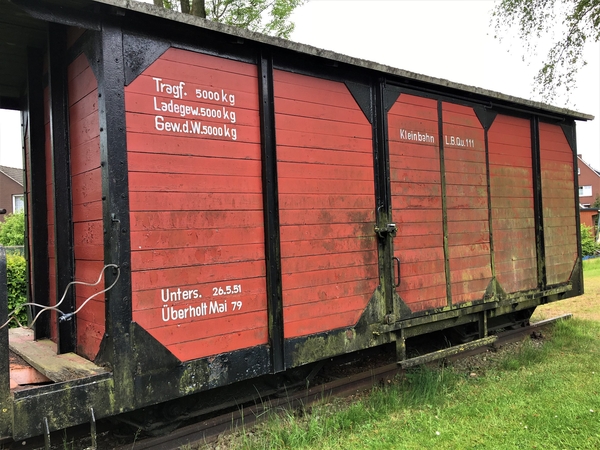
18, 203
585, 191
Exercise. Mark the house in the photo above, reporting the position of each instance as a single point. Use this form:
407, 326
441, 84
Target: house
11, 190
589, 218
589, 183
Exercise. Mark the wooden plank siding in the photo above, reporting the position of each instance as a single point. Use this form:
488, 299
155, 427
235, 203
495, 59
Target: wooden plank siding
511, 187
327, 204
467, 203
86, 188
196, 205
558, 202
416, 190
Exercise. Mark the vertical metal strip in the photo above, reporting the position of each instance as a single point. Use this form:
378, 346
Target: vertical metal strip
383, 195
61, 169
444, 203
37, 211
538, 202
5, 397
115, 210
489, 201
271, 211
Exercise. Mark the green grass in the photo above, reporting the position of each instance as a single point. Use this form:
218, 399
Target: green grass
543, 395
591, 267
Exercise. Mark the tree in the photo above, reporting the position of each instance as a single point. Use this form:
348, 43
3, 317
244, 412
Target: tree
12, 230
264, 16
589, 246
578, 22
596, 203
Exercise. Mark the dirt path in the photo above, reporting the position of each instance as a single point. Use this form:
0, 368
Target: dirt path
586, 306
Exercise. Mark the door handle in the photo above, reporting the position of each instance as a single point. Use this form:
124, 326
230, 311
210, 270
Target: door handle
397, 280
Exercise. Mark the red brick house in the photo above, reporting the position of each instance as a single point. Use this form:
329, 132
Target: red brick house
11, 190
589, 183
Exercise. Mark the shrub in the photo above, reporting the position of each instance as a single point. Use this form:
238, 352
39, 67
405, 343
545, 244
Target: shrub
589, 246
12, 230
16, 280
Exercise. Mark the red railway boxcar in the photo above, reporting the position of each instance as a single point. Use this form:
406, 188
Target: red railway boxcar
254, 206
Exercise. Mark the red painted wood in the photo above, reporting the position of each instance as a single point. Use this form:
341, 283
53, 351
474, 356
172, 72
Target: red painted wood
330, 216
196, 204
87, 187
88, 230
423, 216
297, 185
326, 278
147, 201
187, 146
511, 188
319, 126
306, 295
468, 243
323, 247
171, 182
326, 199
320, 172
327, 156
82, 83
207, 237
205, 74
252, 316
556, 159
87, 211
303, 232
171, 164
312, 326
326, 110
146, 123
185, 220
211, 62
86, 156
253, 292
317, 94
416, 201
221, 343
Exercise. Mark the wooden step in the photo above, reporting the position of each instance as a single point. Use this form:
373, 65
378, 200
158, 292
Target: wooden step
42, 356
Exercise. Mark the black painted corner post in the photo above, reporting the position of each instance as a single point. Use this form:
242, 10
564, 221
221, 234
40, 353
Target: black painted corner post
271, 211
115, 211
61, 169
37, 210
5, 400
538, 202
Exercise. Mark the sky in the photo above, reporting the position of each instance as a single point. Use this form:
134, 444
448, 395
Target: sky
450, 39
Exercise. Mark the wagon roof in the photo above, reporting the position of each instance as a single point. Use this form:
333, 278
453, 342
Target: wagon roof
24, 24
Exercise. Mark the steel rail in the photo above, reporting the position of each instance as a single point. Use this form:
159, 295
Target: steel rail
207, 431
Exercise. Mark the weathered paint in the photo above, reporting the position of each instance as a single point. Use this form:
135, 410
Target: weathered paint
511, 190
326, 202
197, 238
86, 185
560, 230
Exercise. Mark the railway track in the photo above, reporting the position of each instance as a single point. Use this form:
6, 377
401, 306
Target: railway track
208, 430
